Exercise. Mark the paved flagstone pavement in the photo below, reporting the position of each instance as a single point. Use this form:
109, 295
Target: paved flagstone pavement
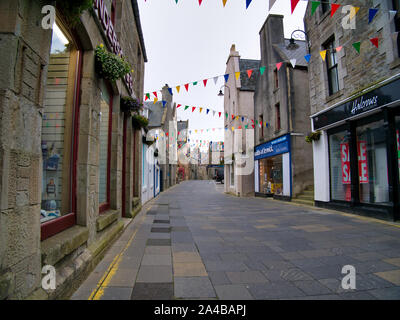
195, 242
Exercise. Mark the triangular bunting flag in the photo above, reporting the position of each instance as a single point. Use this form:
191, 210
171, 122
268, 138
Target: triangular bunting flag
233, 116
195, 83
237, 75
178, 106
323, 54
201, 109
216, 79
293, 4
334, 7
226, 77
200, 2
262, 69
226, 114
208, 110
187, 86
178, 88
186, 107
248, 3
224, 2
214, 113
193, 108
164, 103
219, 114
371, 14
147, 96
357, 46
293, 62
249, 72
307, 57
375, 42
353, 12
205, 82
170, 91
279, 65
392, 13
155, 93
338, 48
314, 6
155, 100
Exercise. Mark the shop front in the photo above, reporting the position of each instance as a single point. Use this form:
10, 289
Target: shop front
357, 159
273, 169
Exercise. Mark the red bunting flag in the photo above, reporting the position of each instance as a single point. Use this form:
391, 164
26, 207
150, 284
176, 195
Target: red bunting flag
187, 86
279, 65
205, 82
334, 7
155, 93
178, 106
375, 42
193, 108
249, 72
294, 4
252, 126
219, 114
200, 2
233, 117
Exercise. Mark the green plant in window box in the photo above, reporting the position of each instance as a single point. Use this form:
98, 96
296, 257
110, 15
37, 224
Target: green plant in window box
72, 9
129, 105
109, 65
313, 136
139, 121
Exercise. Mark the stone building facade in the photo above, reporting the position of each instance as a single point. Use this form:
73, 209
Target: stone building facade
239, 107
354, 105
68, 167
283, 163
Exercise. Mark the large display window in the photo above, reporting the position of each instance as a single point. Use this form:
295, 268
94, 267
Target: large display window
59, 132
339, 155
270, 175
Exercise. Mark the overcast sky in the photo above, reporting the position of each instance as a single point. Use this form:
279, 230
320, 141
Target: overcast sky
187, 43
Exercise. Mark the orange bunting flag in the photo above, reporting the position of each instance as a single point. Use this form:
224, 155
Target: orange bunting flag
224, 2
205, 82
249, 72
201, 109
279, 65
353, 12
237, 75
178, 88
375, 42
334, 7
323, 54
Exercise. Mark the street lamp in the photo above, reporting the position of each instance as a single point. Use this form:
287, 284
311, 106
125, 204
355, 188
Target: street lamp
220, 94
293, 45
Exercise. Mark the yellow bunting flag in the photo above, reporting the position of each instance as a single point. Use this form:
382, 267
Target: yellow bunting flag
224, 2
237, 75
323, 54
201, 109
353, 12
178, 88
155, 100
233, 128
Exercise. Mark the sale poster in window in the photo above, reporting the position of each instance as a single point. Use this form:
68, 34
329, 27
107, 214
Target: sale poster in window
345, 159
362, 161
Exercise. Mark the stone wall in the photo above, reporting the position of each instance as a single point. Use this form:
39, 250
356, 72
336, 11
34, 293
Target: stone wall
356, 71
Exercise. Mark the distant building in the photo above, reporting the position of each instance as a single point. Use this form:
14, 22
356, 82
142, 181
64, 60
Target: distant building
239, 107
283, 163
355, 106
183, 171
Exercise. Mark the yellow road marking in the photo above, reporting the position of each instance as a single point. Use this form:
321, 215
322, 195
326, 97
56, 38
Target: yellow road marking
98, 292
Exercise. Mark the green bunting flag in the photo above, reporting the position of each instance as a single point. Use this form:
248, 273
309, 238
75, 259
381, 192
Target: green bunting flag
262, 69
314, 6
186, 107
357, 46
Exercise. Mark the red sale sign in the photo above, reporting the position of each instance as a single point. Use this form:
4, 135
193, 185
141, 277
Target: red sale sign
362, 162
345, 158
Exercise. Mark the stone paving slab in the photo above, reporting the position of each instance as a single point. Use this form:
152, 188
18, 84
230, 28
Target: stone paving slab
208, 245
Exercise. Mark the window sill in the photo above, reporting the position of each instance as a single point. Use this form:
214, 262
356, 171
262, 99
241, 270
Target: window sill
57, 247
395, 63
334, 96
105, 219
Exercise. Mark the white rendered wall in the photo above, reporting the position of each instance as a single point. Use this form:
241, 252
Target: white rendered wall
321, 168
286, 173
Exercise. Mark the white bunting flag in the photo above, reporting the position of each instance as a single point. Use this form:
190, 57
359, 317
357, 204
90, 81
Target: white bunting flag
392, 13
216, 79
293, 62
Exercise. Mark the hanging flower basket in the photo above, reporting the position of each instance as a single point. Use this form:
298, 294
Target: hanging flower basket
129, 105
72, 9
110, 66
313, 136
139, 121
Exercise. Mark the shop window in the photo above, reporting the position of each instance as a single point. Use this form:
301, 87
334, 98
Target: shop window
278, 117
372, 163
276, 79
59, 129
339, 155
105, 147
271, 178
331, 67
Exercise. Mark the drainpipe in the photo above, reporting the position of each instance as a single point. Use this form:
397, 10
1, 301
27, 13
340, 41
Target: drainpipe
289, 97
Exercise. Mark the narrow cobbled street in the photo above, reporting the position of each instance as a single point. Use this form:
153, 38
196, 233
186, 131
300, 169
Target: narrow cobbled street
194, 241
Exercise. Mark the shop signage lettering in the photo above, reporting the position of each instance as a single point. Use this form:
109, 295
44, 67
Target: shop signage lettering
275, 147
362, 162
376, 98
108, 28
360, 105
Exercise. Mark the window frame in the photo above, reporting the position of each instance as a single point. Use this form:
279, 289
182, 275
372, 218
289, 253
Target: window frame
55, 226
103, 207
329, 46
278, 124
276, 79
